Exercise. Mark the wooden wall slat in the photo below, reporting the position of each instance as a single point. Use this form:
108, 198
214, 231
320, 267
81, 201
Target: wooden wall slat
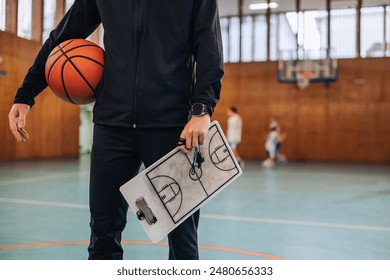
11, 20
37, 20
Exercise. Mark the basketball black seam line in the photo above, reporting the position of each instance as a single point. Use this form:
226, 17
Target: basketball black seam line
65, 52
62, 46
74, 66
75, 47
87, 45
63, 83
86, 57
52, 65
78, 71
81, 75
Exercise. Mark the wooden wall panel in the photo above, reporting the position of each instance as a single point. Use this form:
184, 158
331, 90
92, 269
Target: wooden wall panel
346, 121
52, 124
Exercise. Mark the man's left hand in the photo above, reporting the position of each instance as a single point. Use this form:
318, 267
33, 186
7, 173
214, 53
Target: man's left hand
195, 132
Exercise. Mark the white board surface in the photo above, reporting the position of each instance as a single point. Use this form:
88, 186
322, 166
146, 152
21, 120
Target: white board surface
174, 190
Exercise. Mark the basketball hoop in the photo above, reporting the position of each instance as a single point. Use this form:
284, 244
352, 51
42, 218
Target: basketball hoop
303, 78
307, 66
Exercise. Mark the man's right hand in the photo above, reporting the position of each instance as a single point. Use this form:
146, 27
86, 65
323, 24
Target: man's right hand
17, 121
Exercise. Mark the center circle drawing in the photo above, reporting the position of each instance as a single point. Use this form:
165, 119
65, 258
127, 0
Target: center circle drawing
195, 173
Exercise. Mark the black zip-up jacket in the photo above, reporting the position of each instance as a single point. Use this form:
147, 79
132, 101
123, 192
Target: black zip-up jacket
151, 49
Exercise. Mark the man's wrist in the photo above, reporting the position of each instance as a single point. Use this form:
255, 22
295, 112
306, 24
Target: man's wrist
200, 109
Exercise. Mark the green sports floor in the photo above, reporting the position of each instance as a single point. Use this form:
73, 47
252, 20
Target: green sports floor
298, 211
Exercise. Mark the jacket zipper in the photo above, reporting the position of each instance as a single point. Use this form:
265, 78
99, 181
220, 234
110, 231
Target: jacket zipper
138, 39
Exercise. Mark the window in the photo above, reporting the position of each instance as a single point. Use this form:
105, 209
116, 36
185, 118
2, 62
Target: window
260, 37
253, 35
315, 34
343, 33
225, 38
234, 39
289, 28
68, 4
274, 37
304, 35
24, 19
387, 33
2, 14
372, 36
49, 15
246, 42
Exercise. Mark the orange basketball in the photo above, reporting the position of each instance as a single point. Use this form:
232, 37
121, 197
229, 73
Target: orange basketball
74, 69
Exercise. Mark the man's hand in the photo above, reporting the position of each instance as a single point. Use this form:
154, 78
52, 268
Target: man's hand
17, 121
195, 132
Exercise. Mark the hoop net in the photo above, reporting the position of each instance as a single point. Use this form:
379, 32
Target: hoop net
303, 78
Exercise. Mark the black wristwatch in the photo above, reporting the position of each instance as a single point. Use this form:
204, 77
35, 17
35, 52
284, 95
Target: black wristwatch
199, 109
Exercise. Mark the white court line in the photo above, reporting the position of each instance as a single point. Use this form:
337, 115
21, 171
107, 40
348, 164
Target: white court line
44, 203
20, 181
293, 222
214, 217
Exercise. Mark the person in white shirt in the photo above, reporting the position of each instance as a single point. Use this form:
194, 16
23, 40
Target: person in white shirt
272, 146
234, 131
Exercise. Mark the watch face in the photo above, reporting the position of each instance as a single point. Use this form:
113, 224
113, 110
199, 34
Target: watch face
197, 109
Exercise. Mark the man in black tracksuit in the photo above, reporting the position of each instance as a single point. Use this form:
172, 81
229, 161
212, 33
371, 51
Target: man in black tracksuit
149, 98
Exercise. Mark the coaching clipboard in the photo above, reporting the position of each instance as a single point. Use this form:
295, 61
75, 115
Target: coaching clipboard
170, 190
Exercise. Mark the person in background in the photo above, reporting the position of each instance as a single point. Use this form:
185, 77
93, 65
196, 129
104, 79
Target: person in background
234, 132
273, 144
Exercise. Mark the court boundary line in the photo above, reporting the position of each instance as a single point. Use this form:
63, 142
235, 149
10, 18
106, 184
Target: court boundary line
296, 222
40, 178
140, 242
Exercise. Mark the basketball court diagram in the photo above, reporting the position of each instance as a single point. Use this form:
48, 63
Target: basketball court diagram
174, 187
176, 181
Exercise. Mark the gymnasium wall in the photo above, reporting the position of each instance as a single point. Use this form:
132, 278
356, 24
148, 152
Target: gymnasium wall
53, 125
348, 121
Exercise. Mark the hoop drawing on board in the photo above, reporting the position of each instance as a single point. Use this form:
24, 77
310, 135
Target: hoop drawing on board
219, 154
170, 193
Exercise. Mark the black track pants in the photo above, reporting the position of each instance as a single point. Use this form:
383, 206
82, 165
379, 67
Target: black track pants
116, 157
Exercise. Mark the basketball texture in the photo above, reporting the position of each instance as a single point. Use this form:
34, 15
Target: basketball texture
74, 69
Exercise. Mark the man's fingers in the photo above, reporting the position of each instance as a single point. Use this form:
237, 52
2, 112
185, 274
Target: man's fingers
182, 146
13, 127
184, 149
23, 133
17, 122
182, 143
16, 133
194, 133
21, 120
201, 138
195, 139
189, 140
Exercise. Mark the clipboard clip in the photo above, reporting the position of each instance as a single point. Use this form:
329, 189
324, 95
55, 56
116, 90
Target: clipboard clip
145, 213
